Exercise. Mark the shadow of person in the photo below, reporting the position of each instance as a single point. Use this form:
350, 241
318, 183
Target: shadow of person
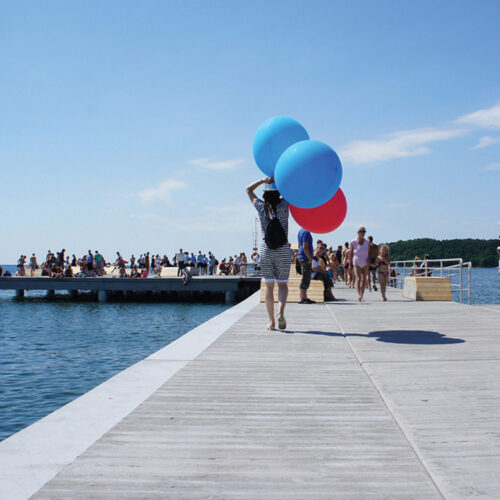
420, 337
416, 337
314, 332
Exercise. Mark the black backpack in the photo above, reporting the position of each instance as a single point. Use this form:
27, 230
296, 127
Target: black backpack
275, 236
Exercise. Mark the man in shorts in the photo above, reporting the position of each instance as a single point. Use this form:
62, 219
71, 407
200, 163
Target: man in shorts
304, 258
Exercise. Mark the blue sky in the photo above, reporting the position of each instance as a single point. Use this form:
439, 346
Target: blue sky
129, 125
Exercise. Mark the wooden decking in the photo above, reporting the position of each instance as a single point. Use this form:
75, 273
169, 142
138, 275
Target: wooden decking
374, 400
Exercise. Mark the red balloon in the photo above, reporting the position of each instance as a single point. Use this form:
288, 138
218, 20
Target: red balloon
322, 219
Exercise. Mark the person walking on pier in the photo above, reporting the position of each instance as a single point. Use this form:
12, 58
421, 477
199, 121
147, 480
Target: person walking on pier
383, 263
372, 270
359, 256
276, 255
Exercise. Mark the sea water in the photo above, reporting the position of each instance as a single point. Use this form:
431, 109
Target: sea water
53, 351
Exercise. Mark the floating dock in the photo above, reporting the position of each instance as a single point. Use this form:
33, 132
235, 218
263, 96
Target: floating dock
397, 399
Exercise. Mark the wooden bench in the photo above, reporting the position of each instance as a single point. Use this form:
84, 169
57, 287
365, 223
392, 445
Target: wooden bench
315, 291
427, 288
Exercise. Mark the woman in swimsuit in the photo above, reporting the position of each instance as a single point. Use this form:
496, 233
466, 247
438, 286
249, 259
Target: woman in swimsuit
347, 266
383, 262
359, 258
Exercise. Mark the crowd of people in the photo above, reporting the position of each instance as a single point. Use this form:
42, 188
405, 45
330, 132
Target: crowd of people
361, 264
93, 264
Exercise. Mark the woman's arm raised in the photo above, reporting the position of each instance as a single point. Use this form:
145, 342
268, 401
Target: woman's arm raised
252, 187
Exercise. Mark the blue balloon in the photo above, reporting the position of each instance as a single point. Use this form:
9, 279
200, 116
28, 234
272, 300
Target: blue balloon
308, 174
272, 138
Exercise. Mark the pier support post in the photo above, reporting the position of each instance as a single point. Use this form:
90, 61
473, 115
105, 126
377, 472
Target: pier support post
19, 294
102, 296
74, 294
50, 293
229, 297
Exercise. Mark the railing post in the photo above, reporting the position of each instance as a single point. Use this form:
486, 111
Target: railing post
469, 270
461, 283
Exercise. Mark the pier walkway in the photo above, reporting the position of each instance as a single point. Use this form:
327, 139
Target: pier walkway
374, 400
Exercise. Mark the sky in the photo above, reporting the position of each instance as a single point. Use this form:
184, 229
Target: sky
129, 125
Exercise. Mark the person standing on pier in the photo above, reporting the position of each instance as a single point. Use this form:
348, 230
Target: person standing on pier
276, 255
304, 259
33, 264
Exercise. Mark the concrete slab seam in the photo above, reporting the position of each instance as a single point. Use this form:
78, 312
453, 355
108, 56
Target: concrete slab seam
435, 481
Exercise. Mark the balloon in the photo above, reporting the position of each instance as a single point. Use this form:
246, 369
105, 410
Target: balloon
322, 219
308, 174
272, 138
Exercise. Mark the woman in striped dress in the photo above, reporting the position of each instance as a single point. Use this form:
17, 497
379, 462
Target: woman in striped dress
275, 263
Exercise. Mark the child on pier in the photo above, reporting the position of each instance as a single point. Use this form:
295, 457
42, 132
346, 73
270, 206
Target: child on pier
383, 262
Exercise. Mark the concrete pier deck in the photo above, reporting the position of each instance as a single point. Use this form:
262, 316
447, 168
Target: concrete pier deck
231, 287
374, 400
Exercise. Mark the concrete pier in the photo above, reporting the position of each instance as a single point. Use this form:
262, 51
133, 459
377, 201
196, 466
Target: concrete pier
229, 297
102, 295
229, 288
373, 400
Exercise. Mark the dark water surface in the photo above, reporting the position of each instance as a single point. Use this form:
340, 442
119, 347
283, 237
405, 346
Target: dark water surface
53, 351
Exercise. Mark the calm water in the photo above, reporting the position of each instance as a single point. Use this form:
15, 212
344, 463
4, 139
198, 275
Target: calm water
53, 351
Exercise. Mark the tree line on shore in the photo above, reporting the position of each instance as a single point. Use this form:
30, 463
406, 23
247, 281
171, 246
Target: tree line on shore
482, 253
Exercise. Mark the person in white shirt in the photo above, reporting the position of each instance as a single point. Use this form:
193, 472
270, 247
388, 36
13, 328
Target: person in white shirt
180, 257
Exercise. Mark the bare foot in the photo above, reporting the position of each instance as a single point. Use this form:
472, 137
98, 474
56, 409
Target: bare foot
384, 299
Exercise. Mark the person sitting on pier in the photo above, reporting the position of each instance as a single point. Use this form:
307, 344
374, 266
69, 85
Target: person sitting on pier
68, 272
276, 255
318, 273
424, 266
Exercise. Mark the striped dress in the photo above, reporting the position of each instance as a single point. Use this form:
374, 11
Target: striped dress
275, 264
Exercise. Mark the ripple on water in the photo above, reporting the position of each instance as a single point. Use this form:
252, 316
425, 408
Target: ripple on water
52, 352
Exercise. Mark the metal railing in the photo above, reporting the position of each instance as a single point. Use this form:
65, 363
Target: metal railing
457, 270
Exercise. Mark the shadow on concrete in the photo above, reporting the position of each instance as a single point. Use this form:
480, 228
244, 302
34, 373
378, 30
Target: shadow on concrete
416, 337
421, 337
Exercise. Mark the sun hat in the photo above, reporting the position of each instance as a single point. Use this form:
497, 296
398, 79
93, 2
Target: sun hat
270, 187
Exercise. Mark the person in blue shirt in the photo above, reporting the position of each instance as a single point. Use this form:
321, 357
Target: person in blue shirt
304, 258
